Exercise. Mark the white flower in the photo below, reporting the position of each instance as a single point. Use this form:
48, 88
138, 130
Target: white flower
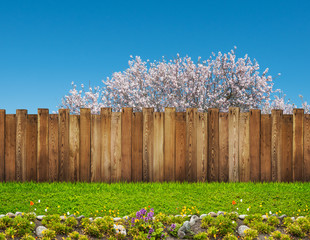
68, 213
45, 210
31, 222
240, 200
39, 201
233, 221
248, 209
35, 209
237, 208
270, 212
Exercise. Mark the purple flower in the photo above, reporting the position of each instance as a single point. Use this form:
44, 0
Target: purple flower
173, 226
150, 214
146, 219
133, 220
151, 230
143, 211
149, 236
152, 209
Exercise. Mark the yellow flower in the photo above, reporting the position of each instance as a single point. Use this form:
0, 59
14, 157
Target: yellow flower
150, 226
58, 206
298, 210
214, 236
279, 211
96, 211
260, 205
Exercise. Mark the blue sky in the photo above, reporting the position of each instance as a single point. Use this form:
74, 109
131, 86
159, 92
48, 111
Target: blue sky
45, 45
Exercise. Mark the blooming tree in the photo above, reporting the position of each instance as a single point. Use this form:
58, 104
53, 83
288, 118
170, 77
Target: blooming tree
222, 81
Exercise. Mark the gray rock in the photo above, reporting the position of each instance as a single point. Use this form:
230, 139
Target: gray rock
18, 214
300, 217
181, 234
11, 215
98, 218
203, 216
62, 218
79, 218
39, 231
212, 214
187, 226
2, 215
242, 217
91, 219
282, 216
117, 219
193, 220
241, 230
293, 218
182, 228
220, 213
265, 217
72, 215
40, 217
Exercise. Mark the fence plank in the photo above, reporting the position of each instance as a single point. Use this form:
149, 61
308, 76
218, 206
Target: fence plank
191, 144
147, 165
213, 142
126, 143
95, 168
85, 122
202, 146
2, 144
63, 144
106, 114
10, 147
137, 147
169, 135
244, 147
180, 146
287, 148
223, 147
116, 150
306, 162
21, 125
53, 148
158, 153
74, 148
31, 147
265, 143
255, 163
42, 159
233, 162
298, 151
276, 144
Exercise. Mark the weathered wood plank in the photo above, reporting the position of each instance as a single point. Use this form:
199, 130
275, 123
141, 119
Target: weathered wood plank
53, 147
126, 143
306, 162
244, 147
10, 147
74, 148
287, 148
148, 125
137, 147
21, 125
169, 142
202, 146
255, 163
95, 168
116, 148
63, 144
106, 114
265, 143
2, 144
42, 157
31, 147
180, 148
298, 144
158, 153
213, 142
223, 147
85, 131
191, 144
276, 144
233, 162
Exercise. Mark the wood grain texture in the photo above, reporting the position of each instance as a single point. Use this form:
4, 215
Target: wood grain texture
126, 143
2, 144
10, 147
95, 168
85, 124
287, 149
106, 114
213, 142
244, 147
180, 146
265, 145
223, 147
74, 148
298, 150
202, 146
233, 162
306, 162
53, 148
137, 147
158, 153
42, 157
255, 163
31, 147
169, 143
147, 165
191, 144
276, 144
20, 162
116, 150
63, 144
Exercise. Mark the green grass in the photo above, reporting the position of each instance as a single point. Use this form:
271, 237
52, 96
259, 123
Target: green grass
86, 198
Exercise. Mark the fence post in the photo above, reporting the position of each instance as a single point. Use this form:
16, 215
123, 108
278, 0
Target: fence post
255, 162
158, 153
53, 147
85, 128
42, 159
213, 144
169, 160
137, 147
126, 143
21, 125
106, 114
223, 147
233, 162
298, 144
202, 146
180, 146
63, 141
306, 148
287, 148
2, 144
276, 144
244, 147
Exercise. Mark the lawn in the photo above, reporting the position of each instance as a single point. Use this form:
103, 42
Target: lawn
96, 199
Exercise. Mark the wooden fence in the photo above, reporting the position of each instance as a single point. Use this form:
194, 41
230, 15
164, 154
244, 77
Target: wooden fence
155, 146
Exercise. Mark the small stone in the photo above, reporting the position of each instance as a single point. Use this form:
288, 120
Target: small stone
203, 216
189, 215
181, 234
91, 219
72, 215
282, 216
220, 213
187, 226
40, 217
39, 231
18, 214
11, 215
117, 219
212, 214
193, 220
265, 217
153, 218
293, 218
98, 218
2, 215
300, 217
79, 218
241, 230
62, 218
242, 217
